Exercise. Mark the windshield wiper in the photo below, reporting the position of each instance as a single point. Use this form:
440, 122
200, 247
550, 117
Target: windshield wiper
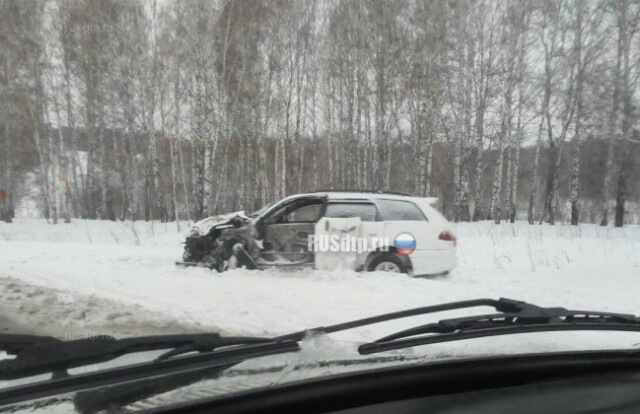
59, 356
217, 353
514, 317
120, 395
39, 354
36, 355
423, 310
15, 343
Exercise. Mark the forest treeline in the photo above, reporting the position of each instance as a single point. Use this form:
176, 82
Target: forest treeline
144, 109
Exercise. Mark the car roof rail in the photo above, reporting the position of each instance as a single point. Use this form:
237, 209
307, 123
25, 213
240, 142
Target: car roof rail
364, 191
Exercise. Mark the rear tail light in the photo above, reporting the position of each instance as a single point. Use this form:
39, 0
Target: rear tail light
447, 236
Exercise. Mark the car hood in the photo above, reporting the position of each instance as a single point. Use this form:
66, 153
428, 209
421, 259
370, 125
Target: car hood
205, 225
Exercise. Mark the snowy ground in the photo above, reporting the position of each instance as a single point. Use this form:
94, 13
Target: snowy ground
86, 278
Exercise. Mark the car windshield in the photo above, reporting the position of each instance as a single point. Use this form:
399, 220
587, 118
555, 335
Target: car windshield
262, 210
393, 156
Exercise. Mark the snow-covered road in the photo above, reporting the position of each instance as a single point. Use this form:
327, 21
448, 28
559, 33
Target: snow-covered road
112, 278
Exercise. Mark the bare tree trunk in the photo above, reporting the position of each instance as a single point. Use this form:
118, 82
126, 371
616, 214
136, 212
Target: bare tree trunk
176, 128
105, 209
73, 146
6, 157
550, 206
282, 157
621, 193
427, 183
209, 161
148, 178
608, 179
628, 30
613, 127
299, 153
6, 195
130, 173
105, 212
265, 193
54, 171
577, 147
221, 181
575, 171
555, 141
240, 176
314, 134
175, 214
121, 158
457, 155
389, 155
514, 191
155, 170
379, 168
494, 207
183, 177
506, 205
536, 172
198, 174
38, 124
477, 180
370, 155
89, 176
62, 169
515, 169
43, 165
467, 82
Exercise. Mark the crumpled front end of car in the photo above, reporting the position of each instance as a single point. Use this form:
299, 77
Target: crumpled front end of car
221, 241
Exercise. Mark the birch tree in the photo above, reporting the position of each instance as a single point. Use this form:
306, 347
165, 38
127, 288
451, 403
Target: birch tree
589, 42
170, 109
511, 37
559, 96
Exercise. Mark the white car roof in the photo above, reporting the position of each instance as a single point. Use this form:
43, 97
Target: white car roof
346, 195
425, 203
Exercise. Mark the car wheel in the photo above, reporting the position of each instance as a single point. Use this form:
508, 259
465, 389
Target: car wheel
388, 262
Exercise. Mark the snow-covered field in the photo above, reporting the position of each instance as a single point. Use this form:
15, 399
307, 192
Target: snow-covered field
92, 277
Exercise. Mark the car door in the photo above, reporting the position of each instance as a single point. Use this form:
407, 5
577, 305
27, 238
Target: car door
287, 227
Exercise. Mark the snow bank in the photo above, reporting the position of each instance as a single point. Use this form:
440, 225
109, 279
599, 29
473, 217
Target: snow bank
521, 247
145, 233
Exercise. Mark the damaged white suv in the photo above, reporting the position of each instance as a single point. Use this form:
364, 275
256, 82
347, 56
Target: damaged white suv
365, 231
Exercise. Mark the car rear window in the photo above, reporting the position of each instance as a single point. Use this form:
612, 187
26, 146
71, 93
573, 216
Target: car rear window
366, 211
398, 210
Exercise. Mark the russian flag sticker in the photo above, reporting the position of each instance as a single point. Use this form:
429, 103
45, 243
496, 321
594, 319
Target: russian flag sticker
404, 243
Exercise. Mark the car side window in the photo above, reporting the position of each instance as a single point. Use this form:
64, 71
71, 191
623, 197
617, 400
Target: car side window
305, 214
400, 210
366, 211
299, 211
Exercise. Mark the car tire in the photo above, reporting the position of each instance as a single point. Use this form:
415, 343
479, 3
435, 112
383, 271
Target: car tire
243, 256
388, 262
